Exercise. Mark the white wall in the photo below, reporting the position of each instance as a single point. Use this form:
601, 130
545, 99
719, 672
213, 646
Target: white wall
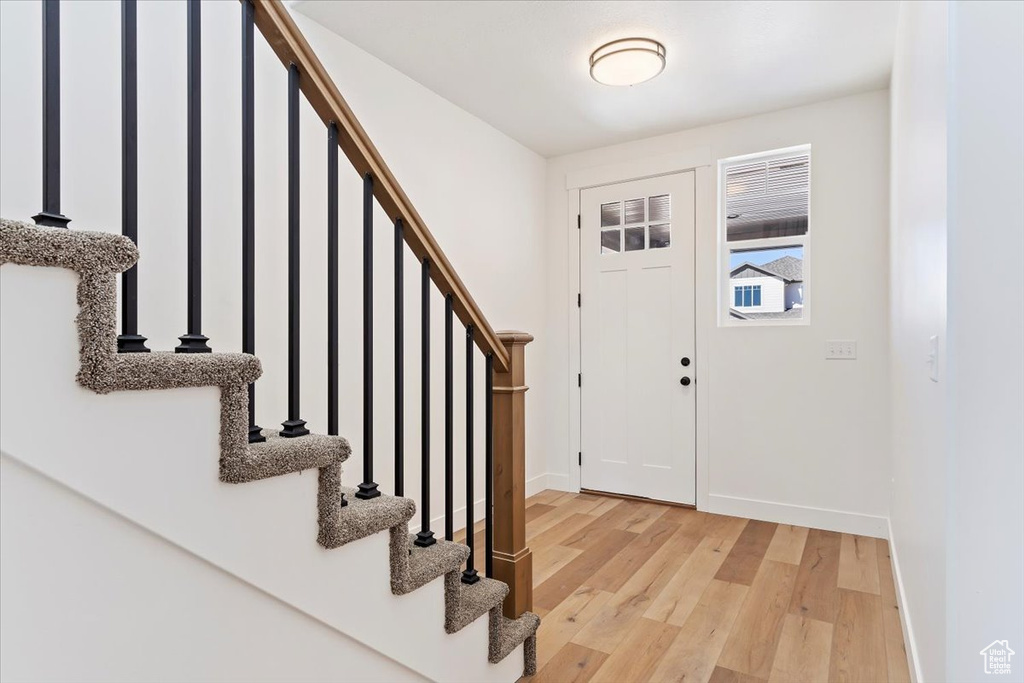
165, 614
920, 435
985, 590
479, 191
829, 467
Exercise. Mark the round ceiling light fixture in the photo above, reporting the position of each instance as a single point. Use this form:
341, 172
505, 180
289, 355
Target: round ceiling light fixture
627, 61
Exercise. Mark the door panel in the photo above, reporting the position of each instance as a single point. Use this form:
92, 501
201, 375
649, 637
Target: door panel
637, 322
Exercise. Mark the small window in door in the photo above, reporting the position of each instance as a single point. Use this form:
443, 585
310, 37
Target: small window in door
645, 224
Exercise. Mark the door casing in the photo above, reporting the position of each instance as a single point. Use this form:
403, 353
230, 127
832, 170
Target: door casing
700, 161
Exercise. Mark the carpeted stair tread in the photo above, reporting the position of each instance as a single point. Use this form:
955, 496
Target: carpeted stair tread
168, 370
465, 603
423, 565
78, 250
358, 518
280, 455
507, 634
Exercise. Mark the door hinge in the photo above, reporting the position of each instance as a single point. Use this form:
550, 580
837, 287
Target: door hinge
581, 458
579, 379
579, 300
579, 221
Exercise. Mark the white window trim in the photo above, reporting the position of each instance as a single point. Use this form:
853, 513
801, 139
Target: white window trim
724, 290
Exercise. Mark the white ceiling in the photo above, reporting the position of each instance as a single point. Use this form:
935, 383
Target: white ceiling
522, 65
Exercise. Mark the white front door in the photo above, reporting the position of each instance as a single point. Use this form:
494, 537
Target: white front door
638, 390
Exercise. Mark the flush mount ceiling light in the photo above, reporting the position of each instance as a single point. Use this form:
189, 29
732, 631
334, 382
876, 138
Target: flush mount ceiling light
627, 61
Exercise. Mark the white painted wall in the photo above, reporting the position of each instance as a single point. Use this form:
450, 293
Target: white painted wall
794, 294
985, 590
87, 594
917, 296
480, 192
957, 515
828, 468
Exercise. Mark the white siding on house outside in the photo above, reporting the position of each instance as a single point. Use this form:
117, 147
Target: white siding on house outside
772, 294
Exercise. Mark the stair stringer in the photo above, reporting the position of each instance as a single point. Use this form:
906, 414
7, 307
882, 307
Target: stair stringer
252, 531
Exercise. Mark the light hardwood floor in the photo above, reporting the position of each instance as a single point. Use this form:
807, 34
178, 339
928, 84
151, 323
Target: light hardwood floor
637, 591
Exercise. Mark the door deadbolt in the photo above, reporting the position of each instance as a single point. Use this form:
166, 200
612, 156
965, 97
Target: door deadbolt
685, 361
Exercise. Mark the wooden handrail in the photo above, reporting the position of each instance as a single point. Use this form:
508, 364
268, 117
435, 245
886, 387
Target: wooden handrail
284, 37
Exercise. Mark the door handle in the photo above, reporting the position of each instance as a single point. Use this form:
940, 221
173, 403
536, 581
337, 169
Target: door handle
685, 381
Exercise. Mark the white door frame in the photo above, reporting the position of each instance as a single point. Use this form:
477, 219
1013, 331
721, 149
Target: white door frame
700, 162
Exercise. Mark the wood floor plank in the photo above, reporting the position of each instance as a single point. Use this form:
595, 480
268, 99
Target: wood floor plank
678, 514
858, 564
616, 517
723, 675
573, 575
604, 631
617, 571
559, 533
724, 527
571, 664
858, 642
546, 497
565, 621
549, 559
605, 505
535, 511
755, 634
674, 604
575, 506
895, 649
815, 593
692, 656
788, 544
745, 557
640, 651
804, 651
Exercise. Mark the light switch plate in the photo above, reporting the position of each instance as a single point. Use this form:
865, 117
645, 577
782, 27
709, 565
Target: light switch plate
841, 349
933, 358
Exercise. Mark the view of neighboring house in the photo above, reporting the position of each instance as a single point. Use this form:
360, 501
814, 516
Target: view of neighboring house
771, 290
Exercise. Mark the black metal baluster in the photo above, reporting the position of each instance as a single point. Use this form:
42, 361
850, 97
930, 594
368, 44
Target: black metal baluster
425, 537
332, 283
294, 425
449, 454
399, 359
368, 489
469, 575
332, 278
249, 204
489, 466
51, 216
129, 341
193, 341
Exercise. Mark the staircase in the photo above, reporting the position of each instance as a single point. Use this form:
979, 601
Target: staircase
45, 262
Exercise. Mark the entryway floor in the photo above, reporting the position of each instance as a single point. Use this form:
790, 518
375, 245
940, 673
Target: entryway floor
639, 591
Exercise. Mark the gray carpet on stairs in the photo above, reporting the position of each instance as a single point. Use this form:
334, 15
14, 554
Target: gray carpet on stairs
98, 258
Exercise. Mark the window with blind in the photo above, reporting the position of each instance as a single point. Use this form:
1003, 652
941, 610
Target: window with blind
765, 237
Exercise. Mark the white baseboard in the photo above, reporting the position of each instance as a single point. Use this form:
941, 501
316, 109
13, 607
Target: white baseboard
533, 486
908, 630
818, 518
556, 481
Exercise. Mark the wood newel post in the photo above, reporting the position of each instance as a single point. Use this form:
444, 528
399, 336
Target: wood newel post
513, 561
